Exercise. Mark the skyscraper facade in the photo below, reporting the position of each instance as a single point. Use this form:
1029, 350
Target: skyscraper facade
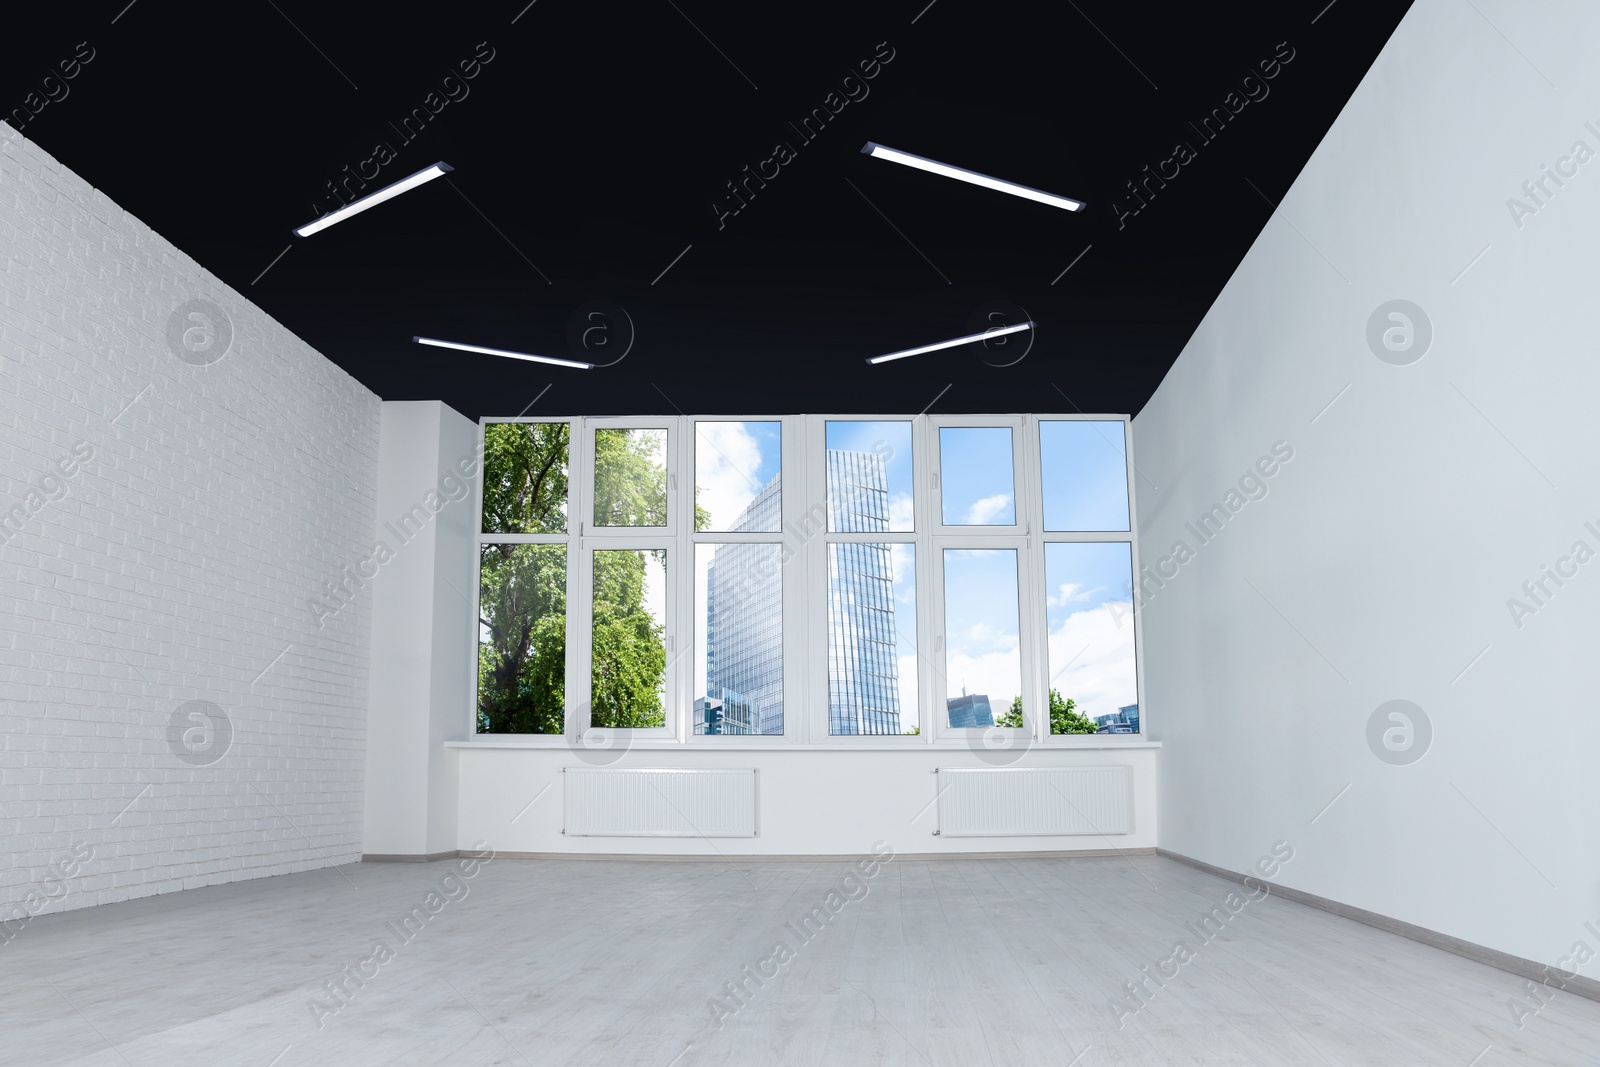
744, 626
863, 671
744, 614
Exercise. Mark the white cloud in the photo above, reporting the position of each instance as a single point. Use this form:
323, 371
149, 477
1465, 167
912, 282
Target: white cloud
995, 673
1065, 594
900, 515
1092, 659
985, 511
903, 559
908, 692
726, 461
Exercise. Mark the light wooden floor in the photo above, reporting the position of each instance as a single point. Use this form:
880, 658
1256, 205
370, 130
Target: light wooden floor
959, 962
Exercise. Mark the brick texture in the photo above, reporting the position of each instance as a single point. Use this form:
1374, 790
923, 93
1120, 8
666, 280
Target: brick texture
163, 522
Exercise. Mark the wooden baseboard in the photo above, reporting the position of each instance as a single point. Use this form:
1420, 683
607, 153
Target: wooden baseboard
1578, 985
400, 857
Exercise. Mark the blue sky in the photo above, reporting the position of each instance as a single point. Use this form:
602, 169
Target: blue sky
975, 476
1090, 622
1085, 476
982, 650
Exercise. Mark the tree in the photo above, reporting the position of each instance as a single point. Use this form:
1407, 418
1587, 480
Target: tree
523, 588
629, 653
630, 477
522, 643
1065, 718
525, 477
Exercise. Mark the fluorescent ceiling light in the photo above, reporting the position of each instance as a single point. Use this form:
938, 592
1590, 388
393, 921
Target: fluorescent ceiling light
894, 155
388, 192
1000, 331
502, 352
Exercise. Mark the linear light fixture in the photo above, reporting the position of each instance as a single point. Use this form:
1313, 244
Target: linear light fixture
967, 340
552, 360
388, 192
894, 155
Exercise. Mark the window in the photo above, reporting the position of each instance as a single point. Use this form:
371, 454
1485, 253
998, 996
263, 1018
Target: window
871, 601
983, 637
739, 605
628, 638
1085, 465
630, 477
522, 578
872, 638
876, 580
1089, 619
976, 486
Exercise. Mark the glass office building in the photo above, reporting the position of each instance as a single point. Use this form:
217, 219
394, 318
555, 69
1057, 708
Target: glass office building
970, 710
744, 614
863, 674
744, 628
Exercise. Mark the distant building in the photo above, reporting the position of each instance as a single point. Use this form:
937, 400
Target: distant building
744, 626
1123, 721
744, 614
970, 710
729, 714
863, 670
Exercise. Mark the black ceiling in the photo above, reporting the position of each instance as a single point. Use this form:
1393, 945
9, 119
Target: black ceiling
592, 144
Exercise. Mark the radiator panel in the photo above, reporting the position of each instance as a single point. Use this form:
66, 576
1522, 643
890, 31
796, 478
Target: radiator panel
602, 802
1032, 802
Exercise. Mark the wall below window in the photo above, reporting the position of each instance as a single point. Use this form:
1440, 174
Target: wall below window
1384, 560
179, 480
811, 802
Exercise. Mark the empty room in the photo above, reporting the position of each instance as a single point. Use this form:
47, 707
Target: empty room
686, 534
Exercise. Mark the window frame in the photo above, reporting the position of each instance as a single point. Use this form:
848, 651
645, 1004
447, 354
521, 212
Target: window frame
804, 576
793, 619
588, 528
1130, 537
817, 641
480, 538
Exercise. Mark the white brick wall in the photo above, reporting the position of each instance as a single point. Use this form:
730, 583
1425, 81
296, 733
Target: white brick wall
169, 559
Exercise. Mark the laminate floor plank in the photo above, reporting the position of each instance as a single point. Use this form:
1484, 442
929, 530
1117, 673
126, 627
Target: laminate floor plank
927, 963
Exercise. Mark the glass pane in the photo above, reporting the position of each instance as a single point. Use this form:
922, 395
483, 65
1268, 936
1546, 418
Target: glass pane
628, 685
872, 639
525, 477
739, 639
1089, 596
630, 477
869, 477
975, 480
736, 476
522, 638
983, 651
1085, 467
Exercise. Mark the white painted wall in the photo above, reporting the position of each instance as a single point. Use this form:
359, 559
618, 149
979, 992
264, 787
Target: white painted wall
165, 522
1380, 562
812, 803
420, 573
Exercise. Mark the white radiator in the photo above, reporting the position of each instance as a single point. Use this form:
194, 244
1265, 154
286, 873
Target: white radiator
659, 803
1016, 802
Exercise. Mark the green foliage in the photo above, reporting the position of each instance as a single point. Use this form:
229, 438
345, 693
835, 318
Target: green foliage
630, 477
629, 652
525, 477
522, 643
523, 588
1065, 718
